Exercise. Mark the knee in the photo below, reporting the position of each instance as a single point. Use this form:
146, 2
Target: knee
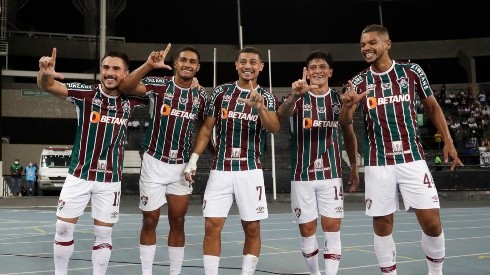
432, 228
251, 229
212, 228
150, 220
176, 222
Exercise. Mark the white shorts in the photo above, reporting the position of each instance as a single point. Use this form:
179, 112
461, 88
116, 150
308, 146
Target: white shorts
247, 187
414, 181
76, 193
158, 179
310, 198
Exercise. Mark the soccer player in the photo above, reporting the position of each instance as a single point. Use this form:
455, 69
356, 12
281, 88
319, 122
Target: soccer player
176, 103
387, 92
96, 162
313, 110
243, 113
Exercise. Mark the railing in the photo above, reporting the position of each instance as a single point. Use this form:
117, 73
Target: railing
4, 188
64, 36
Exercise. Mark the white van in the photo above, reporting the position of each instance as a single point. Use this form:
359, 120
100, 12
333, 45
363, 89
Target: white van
53, 168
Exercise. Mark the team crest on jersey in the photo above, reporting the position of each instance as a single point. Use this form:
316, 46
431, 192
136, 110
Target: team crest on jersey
403, 82
144, 200
61, 204
336, 108
125, 106
297, 212
369, 202
195, 102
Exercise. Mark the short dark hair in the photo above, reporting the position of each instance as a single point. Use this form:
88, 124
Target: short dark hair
320, 55
379, 29
250, 50
190, 49
117, 53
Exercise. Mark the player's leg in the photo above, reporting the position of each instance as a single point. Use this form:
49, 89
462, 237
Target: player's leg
218, 198
73, 199
152, 196
331, 208
420, 194
249, 190
381, 196
305, 213
106, 198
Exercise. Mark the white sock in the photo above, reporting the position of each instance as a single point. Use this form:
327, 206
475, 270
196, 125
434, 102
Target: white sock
249, 264
63, 246
386, 253
176, 257
309, 248
331, 252
211, 264
147, 254
101, 252
435, 250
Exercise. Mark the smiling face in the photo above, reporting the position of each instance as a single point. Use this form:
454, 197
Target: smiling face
112, 71
375, 46
186, 66
248, 66
319, 72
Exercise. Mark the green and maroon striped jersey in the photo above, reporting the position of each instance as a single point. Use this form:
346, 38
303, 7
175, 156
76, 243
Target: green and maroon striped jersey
102, 121
315, 152
173, 112
389, 112
240, 136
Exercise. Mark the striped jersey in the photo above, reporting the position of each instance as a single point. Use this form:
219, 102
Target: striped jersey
389, 112
173, 111
98, 151
314, 135
240, 136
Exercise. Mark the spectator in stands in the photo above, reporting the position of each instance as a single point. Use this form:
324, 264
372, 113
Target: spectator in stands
396, 161
316, 147
96, 163
242, 112
30, 172
442, 91
177, 103
16, 178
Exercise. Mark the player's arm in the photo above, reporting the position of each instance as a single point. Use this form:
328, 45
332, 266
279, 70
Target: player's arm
132, 85
47, 74
350, 144
202, 141
438, 119
270, 120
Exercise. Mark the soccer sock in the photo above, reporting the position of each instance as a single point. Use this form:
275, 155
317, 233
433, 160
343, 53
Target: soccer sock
176, 257
249, 264
386, 253
101, 252
147, 254
309, 248
211, 264
332, 252
63, 246
435, 250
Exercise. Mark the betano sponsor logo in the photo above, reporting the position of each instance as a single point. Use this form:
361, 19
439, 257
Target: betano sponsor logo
238, 115
309, 123
373, 102
166, 110
96, 117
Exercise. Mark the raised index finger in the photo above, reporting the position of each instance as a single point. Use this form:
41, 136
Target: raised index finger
53, 55
305, 73
167, 49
